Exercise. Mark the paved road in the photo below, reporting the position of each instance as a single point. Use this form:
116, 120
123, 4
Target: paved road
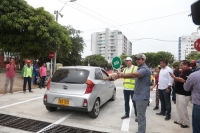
30, 105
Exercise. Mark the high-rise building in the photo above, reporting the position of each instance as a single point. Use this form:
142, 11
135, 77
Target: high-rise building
110, 44
186, 45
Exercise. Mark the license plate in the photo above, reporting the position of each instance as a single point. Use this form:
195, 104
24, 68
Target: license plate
64, 102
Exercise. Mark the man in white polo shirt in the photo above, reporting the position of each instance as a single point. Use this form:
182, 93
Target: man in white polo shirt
164, 86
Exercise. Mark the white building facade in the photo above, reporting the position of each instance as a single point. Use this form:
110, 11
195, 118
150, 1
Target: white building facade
110, 44
186, 45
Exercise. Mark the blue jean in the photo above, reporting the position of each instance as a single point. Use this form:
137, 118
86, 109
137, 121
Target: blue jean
196, 118
35, 78
127, 95
173, 93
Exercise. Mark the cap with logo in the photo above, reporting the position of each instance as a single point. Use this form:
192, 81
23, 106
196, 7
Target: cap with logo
140, 56
128, 58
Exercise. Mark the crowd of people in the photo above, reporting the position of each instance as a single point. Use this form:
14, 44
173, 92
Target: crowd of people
30, 73
182, 83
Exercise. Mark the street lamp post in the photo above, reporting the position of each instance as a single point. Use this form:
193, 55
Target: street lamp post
185, 54
57, 13
88, 61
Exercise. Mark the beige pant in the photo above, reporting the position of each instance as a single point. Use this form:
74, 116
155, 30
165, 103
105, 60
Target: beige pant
7, 82
181, 108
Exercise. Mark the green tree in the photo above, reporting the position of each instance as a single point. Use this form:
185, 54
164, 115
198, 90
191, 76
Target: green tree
95, 60
193, 56
31, 32
163, 55
151, 59
74, 58
176, 63
123, 57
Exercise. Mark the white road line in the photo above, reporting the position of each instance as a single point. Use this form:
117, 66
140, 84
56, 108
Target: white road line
55, 123
126, 122
20, 102
150, 100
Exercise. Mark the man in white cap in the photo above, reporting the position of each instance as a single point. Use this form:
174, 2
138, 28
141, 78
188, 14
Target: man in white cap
129, 86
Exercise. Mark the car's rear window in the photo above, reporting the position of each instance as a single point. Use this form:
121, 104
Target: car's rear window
74, 76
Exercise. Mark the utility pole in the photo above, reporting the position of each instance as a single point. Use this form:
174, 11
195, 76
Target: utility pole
89, 61
185, 54
57, 13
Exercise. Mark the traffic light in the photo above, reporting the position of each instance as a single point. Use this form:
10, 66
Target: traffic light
195, 8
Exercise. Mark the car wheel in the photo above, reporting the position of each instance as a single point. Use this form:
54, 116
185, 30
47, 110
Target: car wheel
113, 96
51, 109
95, 110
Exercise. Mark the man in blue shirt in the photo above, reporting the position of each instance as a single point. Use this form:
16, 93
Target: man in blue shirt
35, 72
142, 89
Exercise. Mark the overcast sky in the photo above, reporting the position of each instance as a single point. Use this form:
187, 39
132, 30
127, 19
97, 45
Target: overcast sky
128, 16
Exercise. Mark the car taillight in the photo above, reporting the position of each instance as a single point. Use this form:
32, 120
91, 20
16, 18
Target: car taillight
48, 84
90, 86
45, 98
85, 103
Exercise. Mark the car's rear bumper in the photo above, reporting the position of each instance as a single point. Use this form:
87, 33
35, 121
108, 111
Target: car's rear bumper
84, 109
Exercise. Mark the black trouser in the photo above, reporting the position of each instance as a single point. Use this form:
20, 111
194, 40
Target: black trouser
165, 102
27, 79
42, 80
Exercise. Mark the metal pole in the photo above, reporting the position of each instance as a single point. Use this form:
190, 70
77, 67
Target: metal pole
51, 68
57, 14
185, 54
55, 50
88, 61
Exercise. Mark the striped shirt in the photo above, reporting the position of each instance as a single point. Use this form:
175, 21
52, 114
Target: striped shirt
193, 84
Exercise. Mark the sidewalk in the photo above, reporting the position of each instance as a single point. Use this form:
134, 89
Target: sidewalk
18, 83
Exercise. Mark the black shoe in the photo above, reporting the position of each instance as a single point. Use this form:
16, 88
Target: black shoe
167, 117
160, 114
124, 117
184, 126
156, 108
136, 120
177, 123
31, 91
174, 102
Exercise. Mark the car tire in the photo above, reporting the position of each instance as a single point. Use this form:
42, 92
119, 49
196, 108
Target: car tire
51, 109
95, 110
113, 96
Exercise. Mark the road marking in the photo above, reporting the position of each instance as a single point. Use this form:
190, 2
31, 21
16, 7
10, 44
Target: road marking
20, 102
55, 123
126, 122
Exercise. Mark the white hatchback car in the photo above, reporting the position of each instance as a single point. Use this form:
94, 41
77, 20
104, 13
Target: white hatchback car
79, 88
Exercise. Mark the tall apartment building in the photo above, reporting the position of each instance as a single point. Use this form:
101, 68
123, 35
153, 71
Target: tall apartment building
186, 45
110, 44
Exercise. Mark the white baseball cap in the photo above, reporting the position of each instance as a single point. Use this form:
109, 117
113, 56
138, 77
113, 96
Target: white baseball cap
128, 58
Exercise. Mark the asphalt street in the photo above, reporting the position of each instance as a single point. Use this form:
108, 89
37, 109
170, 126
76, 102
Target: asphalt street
30, 105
